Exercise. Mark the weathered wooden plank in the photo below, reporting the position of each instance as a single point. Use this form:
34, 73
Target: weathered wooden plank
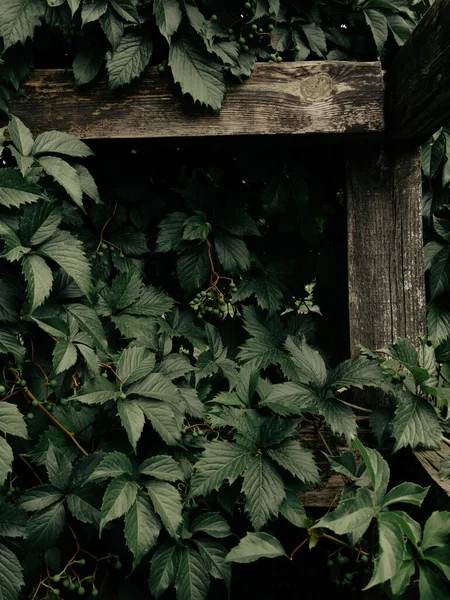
418, 81
431, 461
292, 98
385, 247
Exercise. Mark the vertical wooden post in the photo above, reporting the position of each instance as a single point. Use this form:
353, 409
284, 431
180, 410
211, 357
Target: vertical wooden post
385, 246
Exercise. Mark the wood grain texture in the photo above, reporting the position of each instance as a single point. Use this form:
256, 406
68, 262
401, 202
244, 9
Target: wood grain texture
418, 81
385, 246
292, 98
431, 461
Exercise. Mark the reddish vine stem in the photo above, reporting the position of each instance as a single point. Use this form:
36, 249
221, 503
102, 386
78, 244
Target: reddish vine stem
298, 548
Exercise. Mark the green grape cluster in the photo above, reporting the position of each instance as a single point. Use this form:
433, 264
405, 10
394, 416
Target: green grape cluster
214, 302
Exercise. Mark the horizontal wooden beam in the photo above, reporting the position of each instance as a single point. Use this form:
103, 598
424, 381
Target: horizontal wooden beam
292, 98
418, 81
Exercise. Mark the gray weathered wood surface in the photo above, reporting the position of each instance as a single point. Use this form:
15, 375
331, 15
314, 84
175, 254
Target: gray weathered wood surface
418, 81
431, 461
295, 98
385, 246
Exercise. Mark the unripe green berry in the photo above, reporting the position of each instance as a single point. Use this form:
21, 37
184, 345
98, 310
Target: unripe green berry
194, 504
122, 395
161, 68
330, 563
82, 562
273, 57
279, 59
105, 374
254, 27
94, 592
245, 47
260, 30
270, 27
66, 583
213, 17
30, 416
104, 246
64, 401
73, 586
247, 6
348, 577
250, 36
2, 389
56, 578
53, 383
23, 383
297, 48
35, 402
230, 32
121, 255
81, 591
341, 560
100, 253
118, 565
242, 41
364, 558
55, 592
203, 294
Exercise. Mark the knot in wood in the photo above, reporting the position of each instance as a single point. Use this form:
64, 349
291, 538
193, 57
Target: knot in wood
316, 87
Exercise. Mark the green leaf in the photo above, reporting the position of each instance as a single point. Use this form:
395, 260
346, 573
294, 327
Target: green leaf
263, 489
86, 66
68, 253
167, 504
164, 568
439, 281
197, 74
89, 322
11, 574
378, 470
356, 372
193, 269
416, 423
6, 460
431, 587
212, 524
9, 344
316, 38
92, 11
45, 527
19, 19
295, 459
309, 365
436, 530
440, 558
400, 581
350, 515
132, 419
141, 528
196, 228
112, 27
391, 550
125, 289
151, 303
213, 555
164, 419
12, 521
59, 468
126, 9
338, 416
128, 60
97, 390
162, 467
119, 497
232, 252
291, 399
65, 175
379, 27
255, 546
39, 222
40, 497
219, 462
20, 135
58, 142
191, 583
134, 364
293, 510
438, 324
12, 421
168, 16
15, 190
87, 183
64, 356
84, 505
39, 277
115, 464
263, 347
406, 492
155, 386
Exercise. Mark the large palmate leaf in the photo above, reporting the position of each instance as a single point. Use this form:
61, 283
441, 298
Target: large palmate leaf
134, 364
195, 71
129, 59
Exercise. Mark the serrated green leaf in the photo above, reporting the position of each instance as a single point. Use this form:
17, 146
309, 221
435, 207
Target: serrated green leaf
193, 269
45, 527
391, 551
151, 303
89, 322
377, 468
13, 520
65, 175
12, 421
164, 568
68, 253
316, 38
295, 459
436, 530
58, 142
155, 386
39, 278
416, 423
440, 558
338, 416
219, 462
255, 546
198, 75
112, 27
400, 581
128, 60
166, 420
379, 27
162, 467
232, 252
438, 324
351, 514
132, 419
59, 468
167, 504
64, 356
20, 136
309, 365
263, 489
11, 574
97, 391
135, 363
410, 493
293, 510
6, 459
168, 16
114, 464
142, 528
9, 344
191, 583
19, 20
86, 66
431, 586
212, 524
39, 222
119, 497
126, 9
92, 10
15, 190
84, 504
213, 555
87, 183
355, 372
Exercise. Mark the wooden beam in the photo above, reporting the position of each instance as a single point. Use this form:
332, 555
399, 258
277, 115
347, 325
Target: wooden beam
385, 246
292, 98
418, 81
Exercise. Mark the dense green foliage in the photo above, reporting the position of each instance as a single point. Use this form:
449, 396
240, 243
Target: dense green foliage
159, 338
